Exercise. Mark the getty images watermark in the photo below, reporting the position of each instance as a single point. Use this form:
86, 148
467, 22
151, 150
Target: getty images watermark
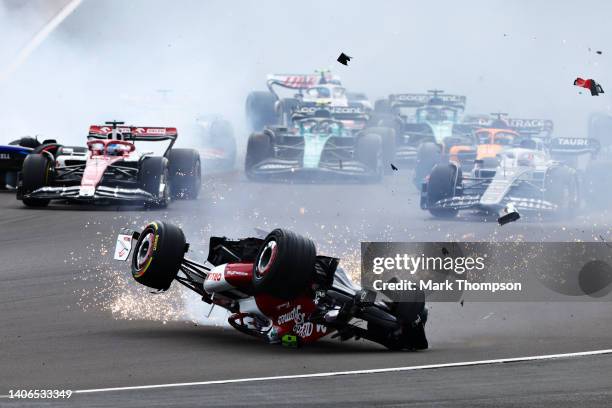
484, 271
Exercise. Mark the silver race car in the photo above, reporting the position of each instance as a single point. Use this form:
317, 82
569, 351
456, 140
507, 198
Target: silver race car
530, 179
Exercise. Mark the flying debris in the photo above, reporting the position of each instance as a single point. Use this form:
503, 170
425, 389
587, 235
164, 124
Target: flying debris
508, 214
598, 52
344, 59
589, 84
393, 167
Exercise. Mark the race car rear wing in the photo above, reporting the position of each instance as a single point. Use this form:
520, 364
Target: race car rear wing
531, 126
418, 100
133, 133
300, 81
292, 81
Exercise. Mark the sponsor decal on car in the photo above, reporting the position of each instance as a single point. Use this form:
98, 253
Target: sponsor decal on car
230, 273
526, 123
331, 109
151, 131
5, 156
283, 305
566, 141
294, 315
306, 329
214, 276
303, 330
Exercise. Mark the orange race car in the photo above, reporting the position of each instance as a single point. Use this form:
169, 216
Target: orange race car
496, 135
490, 142
491, 135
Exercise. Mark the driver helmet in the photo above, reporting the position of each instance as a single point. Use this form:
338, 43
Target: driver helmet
97, 148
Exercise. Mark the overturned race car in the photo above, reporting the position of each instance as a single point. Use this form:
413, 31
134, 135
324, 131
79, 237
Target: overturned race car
277, 289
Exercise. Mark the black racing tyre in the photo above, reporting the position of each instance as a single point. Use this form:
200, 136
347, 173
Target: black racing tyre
383, 106
427, 156
388, 120
185, 173
387, 136
153, 177
158, 255
561, 188
443, 182
369, 151
260, 110
259, 148
284, 265
36, 172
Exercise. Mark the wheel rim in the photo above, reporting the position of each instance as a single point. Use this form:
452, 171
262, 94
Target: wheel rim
145, 250
266, 259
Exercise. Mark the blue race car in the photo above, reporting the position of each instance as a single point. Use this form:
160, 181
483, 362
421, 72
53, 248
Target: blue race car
13, 155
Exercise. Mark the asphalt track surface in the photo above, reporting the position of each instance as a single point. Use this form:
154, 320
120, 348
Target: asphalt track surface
71, 319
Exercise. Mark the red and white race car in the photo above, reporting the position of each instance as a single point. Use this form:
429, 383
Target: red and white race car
277, 289
110, 168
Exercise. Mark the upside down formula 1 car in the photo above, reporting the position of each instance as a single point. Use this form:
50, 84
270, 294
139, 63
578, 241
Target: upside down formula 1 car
110, 169
276, 289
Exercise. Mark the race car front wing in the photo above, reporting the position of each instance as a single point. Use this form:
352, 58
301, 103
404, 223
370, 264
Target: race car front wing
464, 202
293, 168
76, 193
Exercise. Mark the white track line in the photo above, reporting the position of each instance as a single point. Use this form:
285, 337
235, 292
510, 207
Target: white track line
354, 372
39, 38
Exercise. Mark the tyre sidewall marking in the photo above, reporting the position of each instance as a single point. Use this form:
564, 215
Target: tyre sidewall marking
142, 271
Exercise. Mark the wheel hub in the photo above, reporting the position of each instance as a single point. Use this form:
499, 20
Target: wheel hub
145, 250
266, 259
